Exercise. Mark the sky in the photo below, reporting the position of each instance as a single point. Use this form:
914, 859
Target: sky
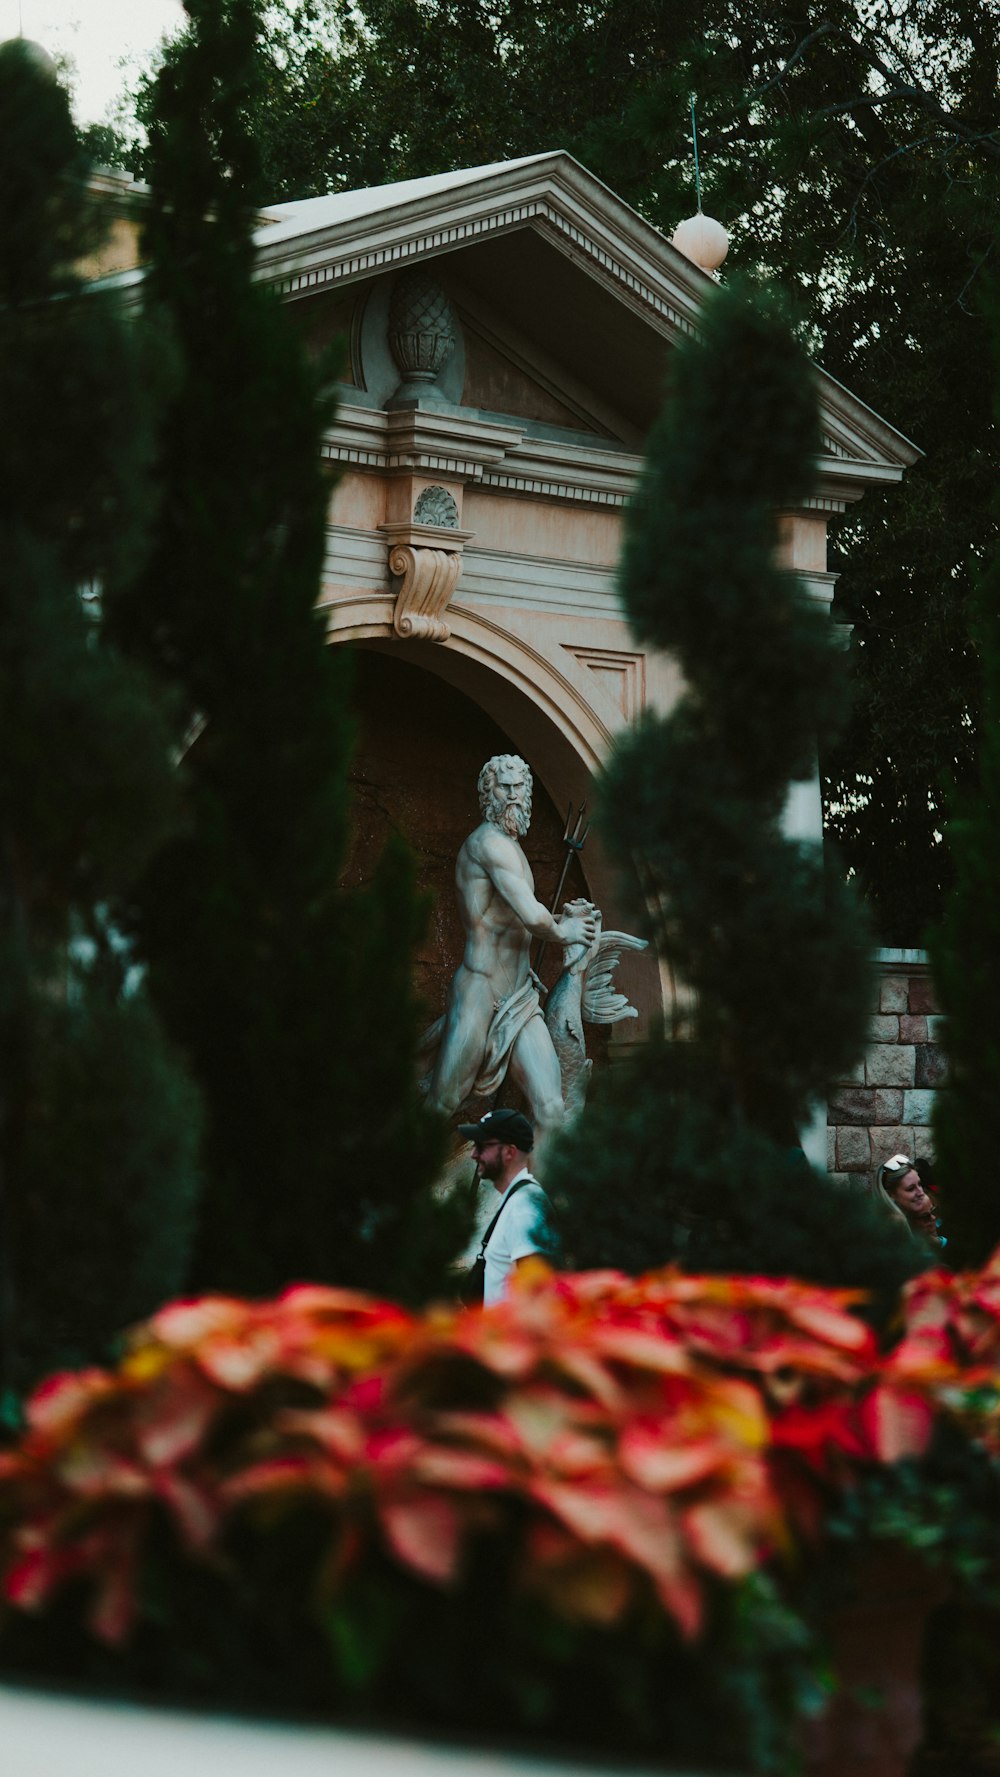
96, 36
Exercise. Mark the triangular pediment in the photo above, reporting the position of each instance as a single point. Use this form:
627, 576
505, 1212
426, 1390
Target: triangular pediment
501, 379
569, 301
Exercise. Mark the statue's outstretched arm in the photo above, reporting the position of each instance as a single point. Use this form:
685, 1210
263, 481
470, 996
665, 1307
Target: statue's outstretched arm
501, 864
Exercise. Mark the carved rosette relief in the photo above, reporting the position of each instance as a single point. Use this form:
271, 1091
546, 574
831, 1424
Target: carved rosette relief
436, 506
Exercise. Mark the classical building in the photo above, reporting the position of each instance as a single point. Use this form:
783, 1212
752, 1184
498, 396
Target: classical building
506, 331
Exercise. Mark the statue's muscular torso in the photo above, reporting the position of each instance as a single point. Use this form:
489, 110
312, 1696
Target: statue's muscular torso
501, 915
490, 868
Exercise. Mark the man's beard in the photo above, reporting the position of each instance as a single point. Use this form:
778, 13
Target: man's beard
510, 817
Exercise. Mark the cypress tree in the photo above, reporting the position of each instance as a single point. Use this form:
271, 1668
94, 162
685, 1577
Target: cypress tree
98, 1122
965, 956
693, 1151
290, 996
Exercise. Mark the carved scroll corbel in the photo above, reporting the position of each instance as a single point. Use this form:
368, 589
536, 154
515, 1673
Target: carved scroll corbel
429, 578
427, 560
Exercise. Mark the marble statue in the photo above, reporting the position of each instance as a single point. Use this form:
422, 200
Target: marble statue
494, 1024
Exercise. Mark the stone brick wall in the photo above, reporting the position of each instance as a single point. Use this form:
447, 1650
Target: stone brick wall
886, 1105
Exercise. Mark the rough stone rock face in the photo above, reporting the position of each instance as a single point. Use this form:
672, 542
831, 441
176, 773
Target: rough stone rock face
886, 1107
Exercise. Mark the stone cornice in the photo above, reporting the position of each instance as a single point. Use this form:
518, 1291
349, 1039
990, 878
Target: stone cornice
854, 431
453, 443
566, 472
446, 439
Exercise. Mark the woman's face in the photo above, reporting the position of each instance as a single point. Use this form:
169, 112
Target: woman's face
910, 1195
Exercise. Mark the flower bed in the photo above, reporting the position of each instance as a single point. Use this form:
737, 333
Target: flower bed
599, 1463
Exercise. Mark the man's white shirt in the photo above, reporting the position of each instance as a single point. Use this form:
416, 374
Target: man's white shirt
522, 1229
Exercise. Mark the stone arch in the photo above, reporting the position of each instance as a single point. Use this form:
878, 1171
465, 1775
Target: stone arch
547, 720
525, 678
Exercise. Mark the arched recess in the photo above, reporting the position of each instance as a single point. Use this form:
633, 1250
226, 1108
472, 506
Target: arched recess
549, 723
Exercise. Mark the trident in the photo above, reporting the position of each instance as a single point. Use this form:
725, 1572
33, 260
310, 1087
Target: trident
574, 840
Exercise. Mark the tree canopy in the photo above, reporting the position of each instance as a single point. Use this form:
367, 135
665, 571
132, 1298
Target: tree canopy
965, 948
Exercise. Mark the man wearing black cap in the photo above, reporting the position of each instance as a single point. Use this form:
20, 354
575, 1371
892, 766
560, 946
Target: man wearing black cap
501, 1145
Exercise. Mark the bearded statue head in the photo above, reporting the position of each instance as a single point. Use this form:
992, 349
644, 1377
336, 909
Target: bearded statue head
505, 794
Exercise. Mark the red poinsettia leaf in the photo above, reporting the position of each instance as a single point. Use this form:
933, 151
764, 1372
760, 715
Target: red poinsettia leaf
681, 1595
439, 1465
193, 1509
645, 1349
816, 1432
391, 1448
172, 1418
587, 1370
97, 1471
320, 1301
832, 1325
487, 1431
335, 1430
238, 1363
638, 1524
721, 1537
32, 1578
899, 1423
58, 1402
283, 1474
573, 1452
648, 1458
424, 1532
183, 1325
113, 1610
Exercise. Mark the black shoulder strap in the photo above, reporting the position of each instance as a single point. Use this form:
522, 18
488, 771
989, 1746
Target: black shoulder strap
487, 1237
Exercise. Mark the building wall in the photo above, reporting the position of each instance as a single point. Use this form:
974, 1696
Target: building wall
886, 1105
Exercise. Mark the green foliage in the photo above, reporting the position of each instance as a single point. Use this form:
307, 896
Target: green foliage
291, 997
702, 1130
946, 1508
707, 1191
107, 1227
98, 1124
852, 150
966, 958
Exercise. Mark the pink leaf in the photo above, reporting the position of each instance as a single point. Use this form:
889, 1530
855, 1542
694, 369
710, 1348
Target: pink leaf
647, 1350
437, 1465
424, 1533
113, 1611
661, 1466
721, 1538
897, 1423
283, 1474
184, 1324
172, 1418
31, 1580
193, 1510
60, 1400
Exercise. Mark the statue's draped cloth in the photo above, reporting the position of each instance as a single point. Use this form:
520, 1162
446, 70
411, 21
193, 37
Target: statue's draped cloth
510, 1018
